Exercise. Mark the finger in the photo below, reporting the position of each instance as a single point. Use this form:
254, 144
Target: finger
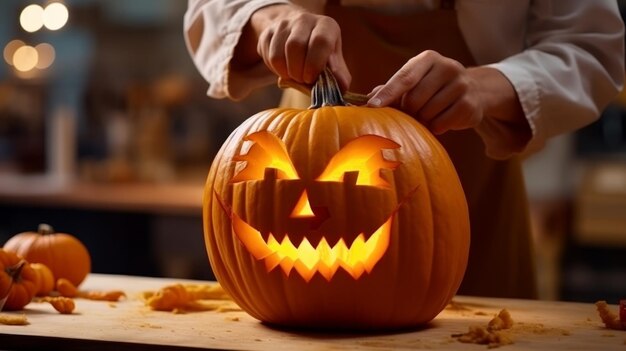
403, 80
262, 47
276, 59
440, 101
462, 114
340, 70
436, 84
374, 90
296, 47
395, 103
322, 43
338, 66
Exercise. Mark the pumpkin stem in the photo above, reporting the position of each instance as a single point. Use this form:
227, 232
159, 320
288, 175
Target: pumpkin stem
15, 271
326, 91
44, 229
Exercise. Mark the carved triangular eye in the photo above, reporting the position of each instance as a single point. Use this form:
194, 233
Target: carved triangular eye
268, 151
363, 155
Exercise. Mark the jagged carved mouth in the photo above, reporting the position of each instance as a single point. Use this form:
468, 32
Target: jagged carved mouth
325, 258
360, 163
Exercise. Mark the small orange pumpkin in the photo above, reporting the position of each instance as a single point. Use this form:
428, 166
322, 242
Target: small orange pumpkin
18, 281
45, 279
336, 217
63, 253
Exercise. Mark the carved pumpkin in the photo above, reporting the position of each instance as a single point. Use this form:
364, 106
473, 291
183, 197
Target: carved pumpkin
63, 253
18, 281
336, 217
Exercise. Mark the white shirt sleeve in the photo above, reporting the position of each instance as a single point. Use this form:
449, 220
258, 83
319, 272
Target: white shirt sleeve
565, 59
569, 71
212, 30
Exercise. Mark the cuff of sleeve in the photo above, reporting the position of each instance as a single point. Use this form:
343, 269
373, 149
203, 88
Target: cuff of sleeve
503, 140
239, 84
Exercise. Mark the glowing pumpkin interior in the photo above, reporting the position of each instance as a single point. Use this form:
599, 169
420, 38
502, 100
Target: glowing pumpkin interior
362, 156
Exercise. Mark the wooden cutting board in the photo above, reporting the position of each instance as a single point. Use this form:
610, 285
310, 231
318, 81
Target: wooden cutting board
129, 325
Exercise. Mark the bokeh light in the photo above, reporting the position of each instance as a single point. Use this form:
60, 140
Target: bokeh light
10, 49
46, 55
55, 16
31, 18
25, 58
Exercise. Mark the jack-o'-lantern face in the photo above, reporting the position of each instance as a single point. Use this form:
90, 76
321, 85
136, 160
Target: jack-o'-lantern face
336, 216
313, 235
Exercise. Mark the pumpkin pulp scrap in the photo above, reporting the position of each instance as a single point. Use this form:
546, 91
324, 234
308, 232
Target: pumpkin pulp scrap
610, 319
67, 289
182, 297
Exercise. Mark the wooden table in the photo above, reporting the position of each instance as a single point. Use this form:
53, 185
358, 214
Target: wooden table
129, 325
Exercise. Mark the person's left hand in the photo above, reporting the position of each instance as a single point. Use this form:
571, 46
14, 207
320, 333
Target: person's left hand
436, 90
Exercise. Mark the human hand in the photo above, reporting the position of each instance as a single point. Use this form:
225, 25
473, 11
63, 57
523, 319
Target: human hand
297, 45
436, 90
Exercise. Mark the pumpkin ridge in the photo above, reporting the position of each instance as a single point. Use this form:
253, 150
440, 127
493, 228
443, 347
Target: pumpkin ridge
406, 125
415, 275
18, 279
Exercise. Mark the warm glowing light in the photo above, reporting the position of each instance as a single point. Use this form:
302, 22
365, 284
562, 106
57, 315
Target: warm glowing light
46, 55
363, 155
303, 208
10, 49
31, 18
55, 16
361, 256
25, 58
268, 151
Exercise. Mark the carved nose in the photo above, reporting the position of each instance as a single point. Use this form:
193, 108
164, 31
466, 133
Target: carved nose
316, 215
303, 207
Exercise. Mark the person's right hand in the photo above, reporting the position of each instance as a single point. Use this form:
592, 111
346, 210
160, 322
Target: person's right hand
297, 45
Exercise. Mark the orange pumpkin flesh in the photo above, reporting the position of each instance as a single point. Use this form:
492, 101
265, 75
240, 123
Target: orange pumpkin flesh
63, 253
301, 231
18, 281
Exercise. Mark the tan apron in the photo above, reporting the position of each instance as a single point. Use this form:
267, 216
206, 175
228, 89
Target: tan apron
375, 46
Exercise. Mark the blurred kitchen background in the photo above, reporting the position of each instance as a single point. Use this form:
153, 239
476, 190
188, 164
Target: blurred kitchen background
106, 133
